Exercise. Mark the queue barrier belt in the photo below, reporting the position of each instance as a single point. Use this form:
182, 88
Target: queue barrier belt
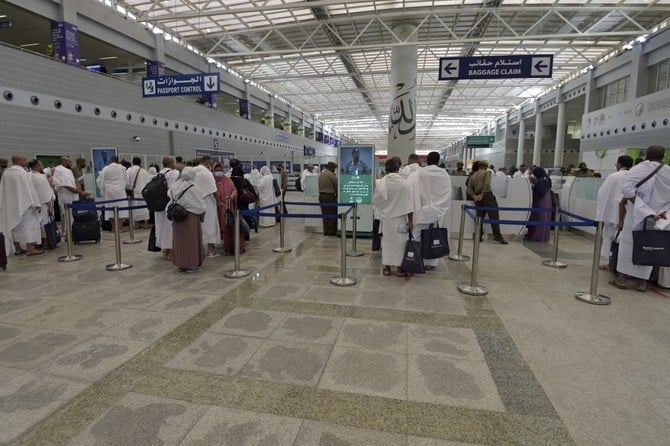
584, 221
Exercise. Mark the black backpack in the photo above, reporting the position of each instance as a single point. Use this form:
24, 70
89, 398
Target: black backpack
155, 193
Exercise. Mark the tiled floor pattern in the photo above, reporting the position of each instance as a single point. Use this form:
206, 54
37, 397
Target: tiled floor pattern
280, 357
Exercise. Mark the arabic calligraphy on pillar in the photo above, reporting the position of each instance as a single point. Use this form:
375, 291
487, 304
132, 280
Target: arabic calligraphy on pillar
403, 107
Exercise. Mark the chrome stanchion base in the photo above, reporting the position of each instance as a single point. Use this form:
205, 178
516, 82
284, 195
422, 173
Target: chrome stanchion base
343, 281
280, 249
131, 242
556, 264
471, 290
72, 258
355, 254
236, 274
459, 258
595, 299
118, 266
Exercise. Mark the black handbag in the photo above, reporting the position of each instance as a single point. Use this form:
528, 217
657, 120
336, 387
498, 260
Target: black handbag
412, 261
651, 247
175, 211
434, 242
52, 234
275, 185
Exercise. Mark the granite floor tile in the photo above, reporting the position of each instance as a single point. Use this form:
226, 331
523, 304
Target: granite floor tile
12, 302
380, 298
10, 332
248, 322
305, 328
182, 302
217, 354
141, 420
443, 380
532, 431
374, 335
146, 326
288, 362
26, 399
446, 301
422, 441
93, 359
366, 372
455, 343
329, 293
38, 346
318, 433
221, 426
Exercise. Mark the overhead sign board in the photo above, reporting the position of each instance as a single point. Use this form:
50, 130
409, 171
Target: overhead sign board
479, 140
6, 24
180, 85
496, 67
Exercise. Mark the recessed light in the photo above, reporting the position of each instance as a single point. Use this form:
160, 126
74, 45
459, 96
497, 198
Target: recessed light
3, 16
108, 58
26, 45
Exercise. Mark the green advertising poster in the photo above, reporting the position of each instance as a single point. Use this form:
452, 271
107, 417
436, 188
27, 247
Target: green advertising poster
356, 168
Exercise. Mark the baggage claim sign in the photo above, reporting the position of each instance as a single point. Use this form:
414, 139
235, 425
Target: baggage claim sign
496, 67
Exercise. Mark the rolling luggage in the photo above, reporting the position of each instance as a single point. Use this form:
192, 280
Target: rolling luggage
86, 231
3, 253
84, 214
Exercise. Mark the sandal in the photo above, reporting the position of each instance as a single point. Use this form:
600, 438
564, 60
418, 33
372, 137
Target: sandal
19, 252
643, 287
429, 268
604, 267
35, 253
401, 273
386, 271
617, 284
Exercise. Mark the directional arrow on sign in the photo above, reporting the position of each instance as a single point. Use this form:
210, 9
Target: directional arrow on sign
541, 66
210, 83
449, 68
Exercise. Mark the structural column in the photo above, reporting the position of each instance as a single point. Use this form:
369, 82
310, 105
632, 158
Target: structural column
65, 34
156, 67
520, 146
537, 144
560, 131
402, 116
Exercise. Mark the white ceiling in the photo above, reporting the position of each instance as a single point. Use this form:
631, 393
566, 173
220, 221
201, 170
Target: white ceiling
332, 58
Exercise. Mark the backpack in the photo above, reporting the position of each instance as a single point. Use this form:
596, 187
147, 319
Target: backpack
155, 193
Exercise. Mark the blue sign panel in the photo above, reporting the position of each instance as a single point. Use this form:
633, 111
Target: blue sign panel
308, 150
65, 42
496, 67
283, 136
180, 85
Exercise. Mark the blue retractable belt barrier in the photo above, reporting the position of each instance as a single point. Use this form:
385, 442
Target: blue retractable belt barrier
583, 220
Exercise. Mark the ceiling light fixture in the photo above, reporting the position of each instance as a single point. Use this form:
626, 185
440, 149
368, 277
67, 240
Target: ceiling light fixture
107, 58
26, 45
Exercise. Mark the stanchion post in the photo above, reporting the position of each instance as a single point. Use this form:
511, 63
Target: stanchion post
592, 297
281, 247
68, 233
474, 289
354, 252
119, 265
237, 272
459, 257
131, 222
343, 280
554, 263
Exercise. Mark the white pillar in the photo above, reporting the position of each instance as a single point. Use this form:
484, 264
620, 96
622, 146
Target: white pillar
520, 146
560, 131
537, 143
402, 116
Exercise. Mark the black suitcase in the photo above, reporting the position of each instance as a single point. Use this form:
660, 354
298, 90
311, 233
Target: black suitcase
3, 252
87, 213
86, 231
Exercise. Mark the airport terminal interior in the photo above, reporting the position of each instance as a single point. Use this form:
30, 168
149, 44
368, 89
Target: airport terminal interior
150, 355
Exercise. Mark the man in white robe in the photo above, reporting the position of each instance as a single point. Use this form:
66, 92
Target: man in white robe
631, 193
393, 205
19, 209
137, 178
204, 181
163, 225
113, 181
45, 195
67, 189
309, 171
431, 196
411, 167
609, 197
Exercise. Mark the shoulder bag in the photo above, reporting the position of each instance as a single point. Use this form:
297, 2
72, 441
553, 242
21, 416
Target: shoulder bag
651, 247
434, 242
412, 261
175, 211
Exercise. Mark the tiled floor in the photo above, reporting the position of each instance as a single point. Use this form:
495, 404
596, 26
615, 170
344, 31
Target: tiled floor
282, 357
